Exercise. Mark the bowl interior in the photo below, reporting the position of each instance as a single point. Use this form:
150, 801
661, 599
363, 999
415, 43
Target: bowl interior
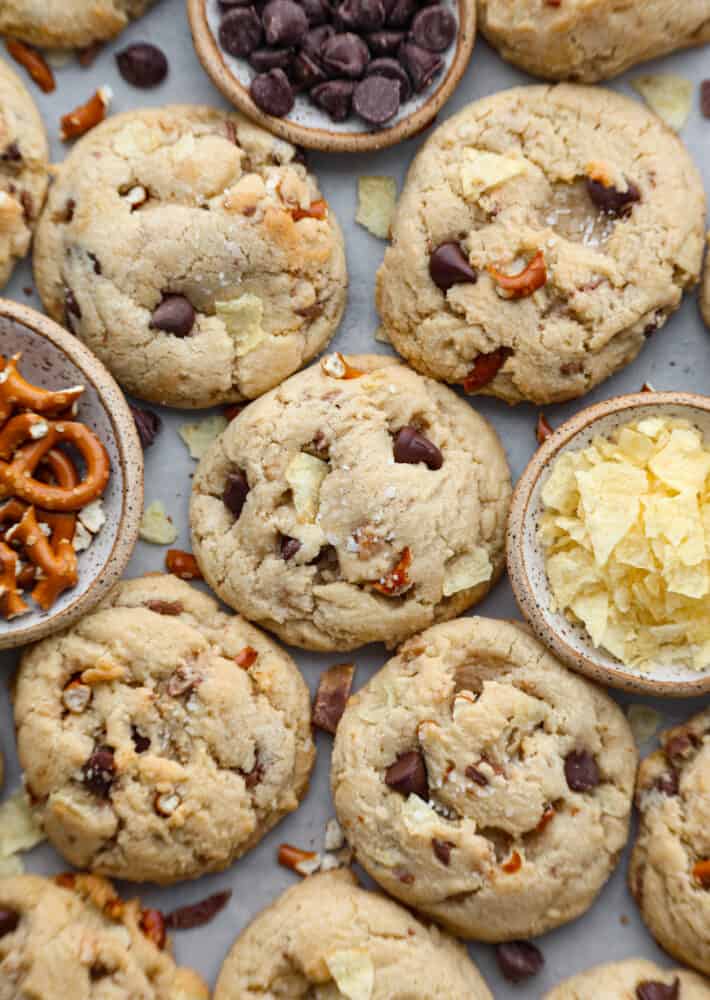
575, 636
46, 364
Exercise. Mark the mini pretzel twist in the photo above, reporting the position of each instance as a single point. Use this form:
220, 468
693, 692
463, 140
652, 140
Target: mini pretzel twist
58, 565
11, 603
17, 393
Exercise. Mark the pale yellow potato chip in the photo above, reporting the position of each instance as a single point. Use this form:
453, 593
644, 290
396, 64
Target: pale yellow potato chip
467, 571
481, 171
156, 527
305, 474
644, 722
669, 95
199, 436
376, 202
610, 495
242, 318
353, 972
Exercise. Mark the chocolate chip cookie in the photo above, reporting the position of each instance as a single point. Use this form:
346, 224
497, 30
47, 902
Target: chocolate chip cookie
587, 42
542, 235
327, 937
358, 502
482, 783
633, 979
67, 24
193, 253
669, 873
160, 737
74, 937
24, 158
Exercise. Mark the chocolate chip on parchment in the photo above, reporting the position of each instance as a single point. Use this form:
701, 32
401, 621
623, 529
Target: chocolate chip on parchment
288, 547
235, 492
609, 199
442, 849
272, 92
331, 697
411, 448
99, 772
140, 742
197, 914
142, 65
434, 28
240, 31
519, 960
448, 265
652, 990
581, 771
376, 99
265, 59
148, 424
345, 54
386, 42
421, 64
391, 68
174, 315
9, 919
334, 97
285, 23
408, 775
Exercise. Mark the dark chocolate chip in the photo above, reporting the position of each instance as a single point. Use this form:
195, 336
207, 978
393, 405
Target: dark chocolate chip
11, 153
197, 914
360, 15
385, 43
519, 960
376, 99
345, 54
288, 547
581, 771
272, 92
650, 989
99, 771
306, 73
394, 70
434, 28
314, 40
408, 775
608, 199
265, 59
148, 425
421, 64
140, 742
71, 305
235, 492
174, 315
96, 262
285, 23
331, 697
448, 265
317, 11
442, 849
142, 65
69, 208
240, 31
411, 448
334, 97
475, 775
400, 12
9, 919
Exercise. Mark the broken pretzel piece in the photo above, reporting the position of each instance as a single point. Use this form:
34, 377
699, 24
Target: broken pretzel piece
519, 286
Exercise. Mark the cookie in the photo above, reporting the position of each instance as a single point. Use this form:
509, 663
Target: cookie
588, 42
78, 939
160, 737
542, 235
193, 253
328, 938
24, 159
358, 502
669, 874
67, 24
482, 783
633, 979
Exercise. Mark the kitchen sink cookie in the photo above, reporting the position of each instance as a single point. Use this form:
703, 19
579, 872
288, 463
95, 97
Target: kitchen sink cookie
358, 502
67, 24
193, 253
327, 938
669, 873
24, 157
160, 737
74, 937
482, 783
633, 979
543, 233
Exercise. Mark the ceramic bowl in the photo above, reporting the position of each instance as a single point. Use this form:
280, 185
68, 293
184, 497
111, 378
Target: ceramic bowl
526, 563
307, 125
55, 359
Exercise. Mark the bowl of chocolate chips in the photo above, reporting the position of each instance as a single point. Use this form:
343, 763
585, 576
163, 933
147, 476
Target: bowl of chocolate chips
337, 75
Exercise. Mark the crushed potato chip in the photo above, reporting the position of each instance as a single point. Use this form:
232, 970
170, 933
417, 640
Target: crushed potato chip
644, 722
381, 335
353, 972
200, 435
19, 830
156, 527
670, 96
376, 201
467, 571
242, 318
482, 171
304, 475
626, 533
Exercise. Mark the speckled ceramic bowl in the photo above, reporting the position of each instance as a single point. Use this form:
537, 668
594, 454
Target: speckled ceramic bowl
55, 359
526, 564
307, 125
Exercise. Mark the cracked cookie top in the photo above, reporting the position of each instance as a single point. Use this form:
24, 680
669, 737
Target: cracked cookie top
193, 253
669, 874
482, 783
67, 24
543, 233
634, 979
327, 938
358, 502
160, 737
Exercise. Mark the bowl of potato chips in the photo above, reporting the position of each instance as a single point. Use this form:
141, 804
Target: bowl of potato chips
609, 543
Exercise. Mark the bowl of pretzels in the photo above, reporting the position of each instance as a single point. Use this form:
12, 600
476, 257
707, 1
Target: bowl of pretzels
71, 477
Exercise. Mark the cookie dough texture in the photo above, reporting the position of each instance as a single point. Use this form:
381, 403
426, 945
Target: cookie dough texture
191, 201
590, 40
229, 752
494, 718
674, 836
24, 157
363, 517
67, 23
619, 980
611, 280
84, 943
327, 924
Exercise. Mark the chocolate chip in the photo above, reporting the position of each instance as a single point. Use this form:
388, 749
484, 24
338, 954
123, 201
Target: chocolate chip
174, 315
306, 73
334, 97
317, 11
400, 12
421, 64
331, 697
28, 205
235, 492
140, 742
240, 31
392, 69
197, 914
99, 771
667, 783
408, 775
434, 28
11, 153
315, 39
385, 43
165, 607
442, 849
142, 65
361, 15
285, 23
411, 448
519, 960
475, 775
581, 771
449, 266
376, 99
265, 59
71, 305
272, 93
148, 425
608, 199
288, 547
345, 54
652, 990
96, 262
9, 919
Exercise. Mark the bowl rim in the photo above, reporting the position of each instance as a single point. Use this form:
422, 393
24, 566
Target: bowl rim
131, 461
524, 592
324, 139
